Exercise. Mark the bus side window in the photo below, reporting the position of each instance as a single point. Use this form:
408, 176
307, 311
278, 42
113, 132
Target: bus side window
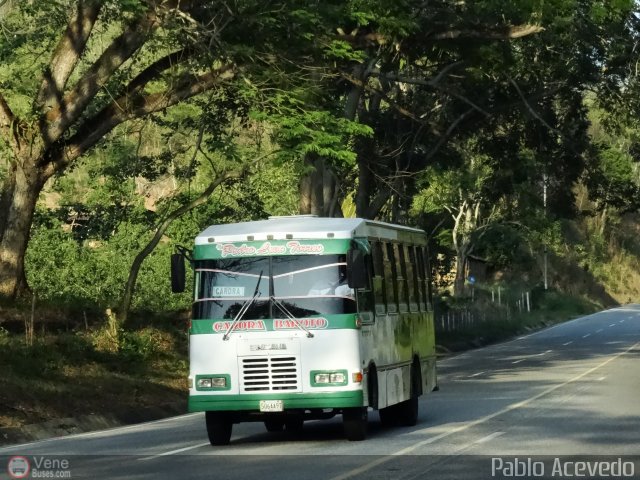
366, 301
403, 287
427, 266
426, 277
378, 278
422, 273
412, 279
391, 278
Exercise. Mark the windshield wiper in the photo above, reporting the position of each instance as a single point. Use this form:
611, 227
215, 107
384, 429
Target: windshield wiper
244, 308
290, 316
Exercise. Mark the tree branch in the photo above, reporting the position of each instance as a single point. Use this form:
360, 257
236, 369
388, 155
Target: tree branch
168, 220
530, 108
378, 202
127, 107
57, 120
153, 71
7, 122
67, 53
444, 138
384, 96
373, 39
433, 83
418, 81
508, 33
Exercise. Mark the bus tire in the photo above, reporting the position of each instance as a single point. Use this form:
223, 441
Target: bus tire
407, 411
219, 428
354, 421
294, 425
372, 386
388, 416
274, 425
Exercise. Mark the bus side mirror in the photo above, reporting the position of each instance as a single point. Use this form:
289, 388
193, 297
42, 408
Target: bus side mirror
177, 273
356, 269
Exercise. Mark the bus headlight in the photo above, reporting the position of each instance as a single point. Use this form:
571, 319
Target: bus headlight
219, 382
204, 383
328, 378
213, 382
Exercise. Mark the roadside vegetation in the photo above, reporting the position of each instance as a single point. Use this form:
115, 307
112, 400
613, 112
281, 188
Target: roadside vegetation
506, 130
80, 372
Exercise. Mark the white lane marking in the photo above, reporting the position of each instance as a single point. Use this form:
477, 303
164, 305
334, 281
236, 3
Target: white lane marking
531, 356
587, 335
489, 437
557, 325
476, 374
542, 353
621, 321
468, 425
568, 343
501, 345
612, 325
598, 331
125, 428
601, 379
173, 452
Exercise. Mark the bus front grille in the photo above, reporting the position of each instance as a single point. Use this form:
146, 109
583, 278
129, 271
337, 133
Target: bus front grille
270, 374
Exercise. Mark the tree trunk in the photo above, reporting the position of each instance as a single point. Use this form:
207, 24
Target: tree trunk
461, 266
603, 220
18, 199
319, 193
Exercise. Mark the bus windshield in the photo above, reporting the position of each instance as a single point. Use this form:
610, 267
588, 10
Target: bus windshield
305, 285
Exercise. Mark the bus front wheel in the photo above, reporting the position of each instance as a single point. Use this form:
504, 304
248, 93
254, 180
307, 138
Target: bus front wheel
274, 425
219, 428
354, 421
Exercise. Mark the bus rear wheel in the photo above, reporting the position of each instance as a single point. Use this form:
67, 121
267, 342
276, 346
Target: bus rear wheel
407, 412
389, 416
219, 428
354, 421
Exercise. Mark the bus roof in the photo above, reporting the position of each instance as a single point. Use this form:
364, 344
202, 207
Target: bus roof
308, 227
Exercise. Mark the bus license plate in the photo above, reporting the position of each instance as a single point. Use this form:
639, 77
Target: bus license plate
271, 406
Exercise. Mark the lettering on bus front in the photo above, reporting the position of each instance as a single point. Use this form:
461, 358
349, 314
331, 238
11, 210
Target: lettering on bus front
243, 325
309, 323
267, 248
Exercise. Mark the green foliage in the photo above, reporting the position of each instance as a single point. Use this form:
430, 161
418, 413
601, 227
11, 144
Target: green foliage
502, 115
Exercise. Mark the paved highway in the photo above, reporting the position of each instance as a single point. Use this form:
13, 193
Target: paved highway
572, 389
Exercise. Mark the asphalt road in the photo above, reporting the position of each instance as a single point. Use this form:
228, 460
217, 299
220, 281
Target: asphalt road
572, 390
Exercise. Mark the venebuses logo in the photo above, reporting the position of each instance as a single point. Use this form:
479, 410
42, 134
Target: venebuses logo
18, 467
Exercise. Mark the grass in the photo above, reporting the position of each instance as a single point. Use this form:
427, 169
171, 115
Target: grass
76, 373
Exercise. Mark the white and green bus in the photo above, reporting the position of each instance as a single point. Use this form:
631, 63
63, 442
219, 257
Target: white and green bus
300, 318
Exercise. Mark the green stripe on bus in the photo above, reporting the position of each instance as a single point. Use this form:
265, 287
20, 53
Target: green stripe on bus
270, 248
203, 403
320, 322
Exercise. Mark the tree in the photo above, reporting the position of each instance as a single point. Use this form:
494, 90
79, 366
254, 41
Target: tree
84, 94
464, 193
115, 61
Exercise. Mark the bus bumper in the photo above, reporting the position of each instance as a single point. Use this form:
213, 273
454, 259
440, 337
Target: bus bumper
291, 401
